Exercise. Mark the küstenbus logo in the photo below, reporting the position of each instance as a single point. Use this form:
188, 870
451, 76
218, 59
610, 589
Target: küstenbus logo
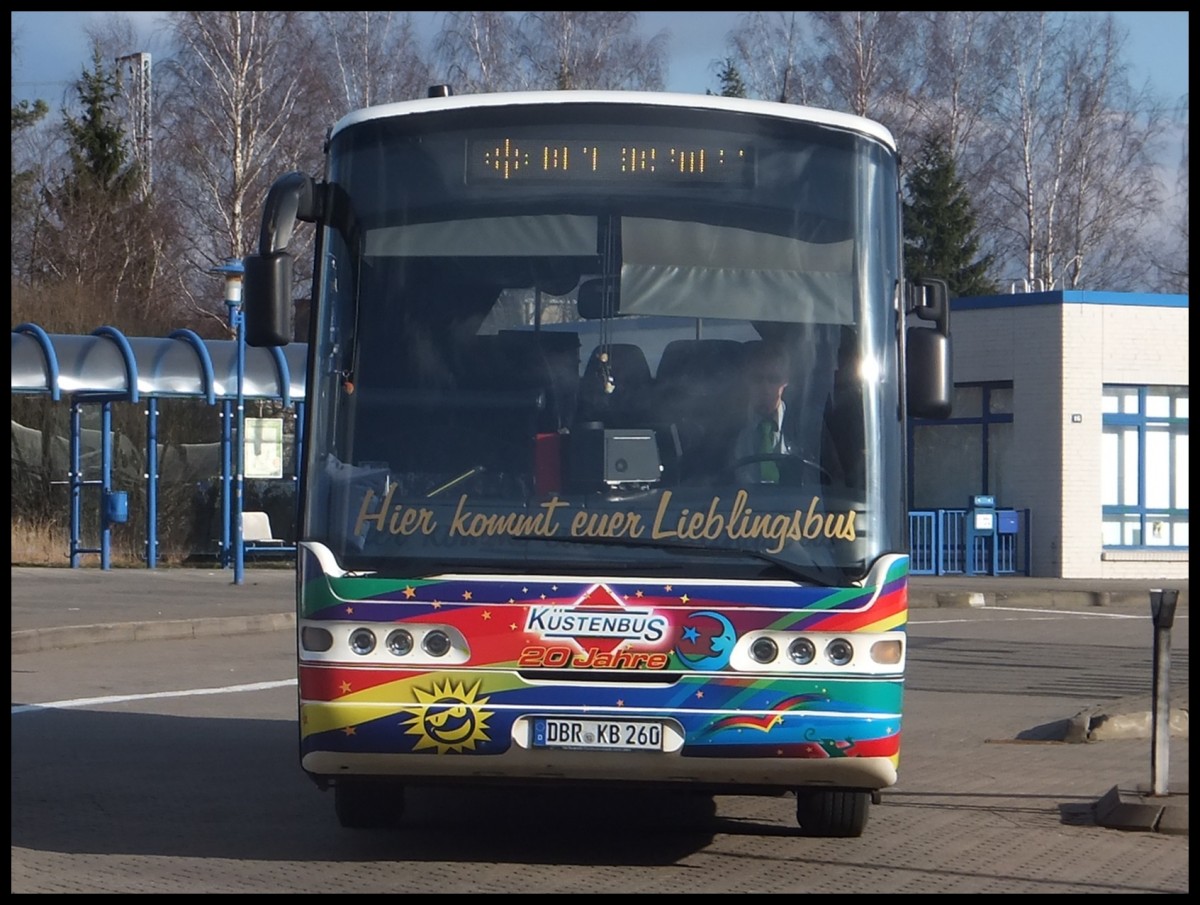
599, 613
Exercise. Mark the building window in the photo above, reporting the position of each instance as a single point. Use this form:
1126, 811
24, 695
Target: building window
953, 460
1145, 470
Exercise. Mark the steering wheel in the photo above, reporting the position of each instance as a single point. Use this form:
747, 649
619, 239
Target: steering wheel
791, 466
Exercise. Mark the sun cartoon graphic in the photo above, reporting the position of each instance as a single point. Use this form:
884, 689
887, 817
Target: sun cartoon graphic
450, 720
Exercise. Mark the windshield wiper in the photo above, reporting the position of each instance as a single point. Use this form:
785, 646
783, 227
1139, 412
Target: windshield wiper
825, 576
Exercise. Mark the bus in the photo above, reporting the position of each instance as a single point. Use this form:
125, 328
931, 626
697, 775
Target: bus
529, 551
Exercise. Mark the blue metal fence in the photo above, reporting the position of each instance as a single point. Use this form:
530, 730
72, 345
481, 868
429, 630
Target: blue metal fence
938, 543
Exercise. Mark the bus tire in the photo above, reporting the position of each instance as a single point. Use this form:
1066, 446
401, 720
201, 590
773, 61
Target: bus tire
832, 812
367, 805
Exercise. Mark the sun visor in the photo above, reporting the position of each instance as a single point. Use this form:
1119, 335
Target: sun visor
699, 270
560, 234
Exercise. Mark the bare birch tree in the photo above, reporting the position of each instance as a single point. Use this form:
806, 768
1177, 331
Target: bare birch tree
1073, 168
239, 111
953, 73
371, 58
1110, 190
770, 51
477, 52
600, 50
863, 60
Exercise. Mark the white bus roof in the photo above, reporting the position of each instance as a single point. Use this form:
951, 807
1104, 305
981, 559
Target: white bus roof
817, 115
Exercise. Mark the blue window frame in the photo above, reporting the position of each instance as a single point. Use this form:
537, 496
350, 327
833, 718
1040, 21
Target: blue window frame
965, 455
1145, 467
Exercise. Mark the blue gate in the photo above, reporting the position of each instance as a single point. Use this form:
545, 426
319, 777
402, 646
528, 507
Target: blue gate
938, 544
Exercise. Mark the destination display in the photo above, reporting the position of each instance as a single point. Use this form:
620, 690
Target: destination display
523, 160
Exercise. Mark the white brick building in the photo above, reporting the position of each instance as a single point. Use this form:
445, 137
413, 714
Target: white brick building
1072, 406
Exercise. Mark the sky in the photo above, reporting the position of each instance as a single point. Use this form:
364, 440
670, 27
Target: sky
52, 49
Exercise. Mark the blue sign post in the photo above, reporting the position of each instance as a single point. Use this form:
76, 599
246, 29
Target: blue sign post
981, 534
233, 270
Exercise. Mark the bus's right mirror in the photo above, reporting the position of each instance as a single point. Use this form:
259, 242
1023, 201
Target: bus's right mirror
267, 299
267, 303
929, 381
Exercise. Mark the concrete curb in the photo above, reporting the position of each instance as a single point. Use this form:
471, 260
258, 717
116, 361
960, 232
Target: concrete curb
925, 599
1135, 807
40, 639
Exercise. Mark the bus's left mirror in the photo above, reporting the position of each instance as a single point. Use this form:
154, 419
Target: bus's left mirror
267, 299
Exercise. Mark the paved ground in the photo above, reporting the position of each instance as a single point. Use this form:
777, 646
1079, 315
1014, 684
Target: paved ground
62, 607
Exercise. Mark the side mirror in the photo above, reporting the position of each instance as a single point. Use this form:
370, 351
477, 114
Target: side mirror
929, 383
267, 299
929, 299
267, 283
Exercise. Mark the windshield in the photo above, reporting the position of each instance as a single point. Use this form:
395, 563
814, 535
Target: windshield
607, 339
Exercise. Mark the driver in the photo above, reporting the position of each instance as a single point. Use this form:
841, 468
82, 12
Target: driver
764, 432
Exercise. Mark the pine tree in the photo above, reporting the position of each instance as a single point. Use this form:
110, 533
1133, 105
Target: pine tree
939, 224
98, 145
731, 80
103, 242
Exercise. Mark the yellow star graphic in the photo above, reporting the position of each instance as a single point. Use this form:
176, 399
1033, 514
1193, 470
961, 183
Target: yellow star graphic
346, 688
638, 594
486, 615
684, 598
512, 626
349, 611
437, 604
410, 592
349, 730
666, 587
699, 694
466, 595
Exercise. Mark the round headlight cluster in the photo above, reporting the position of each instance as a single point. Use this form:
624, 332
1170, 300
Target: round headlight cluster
803, 651
400, 642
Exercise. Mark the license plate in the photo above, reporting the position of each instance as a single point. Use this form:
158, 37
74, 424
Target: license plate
614, 735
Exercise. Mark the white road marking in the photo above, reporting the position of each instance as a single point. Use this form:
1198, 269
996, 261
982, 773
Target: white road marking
1044, 615
121, 698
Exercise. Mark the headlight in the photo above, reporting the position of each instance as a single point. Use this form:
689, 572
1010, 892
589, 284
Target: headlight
436, 643
802, 651
839, 651
400, 642
362, 641
764, 650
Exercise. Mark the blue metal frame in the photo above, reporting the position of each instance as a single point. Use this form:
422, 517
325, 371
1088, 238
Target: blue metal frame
1142, 423
940, 544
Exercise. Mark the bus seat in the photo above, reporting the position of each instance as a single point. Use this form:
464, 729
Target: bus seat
699, 391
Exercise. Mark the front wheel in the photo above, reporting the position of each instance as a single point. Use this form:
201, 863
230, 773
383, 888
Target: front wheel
832, 812
367, 804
